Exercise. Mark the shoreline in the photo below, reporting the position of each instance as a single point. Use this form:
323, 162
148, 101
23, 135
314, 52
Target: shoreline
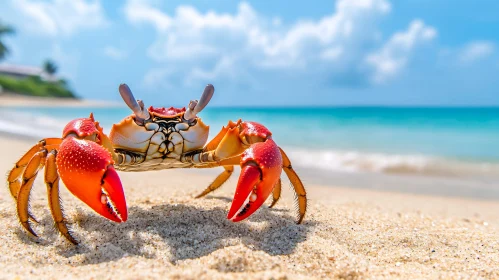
18, 100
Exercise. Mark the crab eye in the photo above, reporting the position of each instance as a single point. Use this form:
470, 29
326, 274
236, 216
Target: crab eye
151, 126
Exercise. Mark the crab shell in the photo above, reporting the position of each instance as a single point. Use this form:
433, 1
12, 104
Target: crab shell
151, 138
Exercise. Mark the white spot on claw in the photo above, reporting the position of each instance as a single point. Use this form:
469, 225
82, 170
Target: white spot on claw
103, 199
253, 197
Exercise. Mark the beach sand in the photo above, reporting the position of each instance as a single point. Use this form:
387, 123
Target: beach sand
347, 233
17, 100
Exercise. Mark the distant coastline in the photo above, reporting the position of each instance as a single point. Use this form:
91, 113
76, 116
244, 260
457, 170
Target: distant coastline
34, 81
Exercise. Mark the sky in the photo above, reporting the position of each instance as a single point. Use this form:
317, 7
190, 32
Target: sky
266, 53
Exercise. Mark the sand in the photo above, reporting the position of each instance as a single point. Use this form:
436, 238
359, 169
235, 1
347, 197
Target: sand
346, 234
17, 100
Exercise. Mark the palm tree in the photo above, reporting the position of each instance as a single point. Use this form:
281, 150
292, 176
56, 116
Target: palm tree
50, 67
4, 30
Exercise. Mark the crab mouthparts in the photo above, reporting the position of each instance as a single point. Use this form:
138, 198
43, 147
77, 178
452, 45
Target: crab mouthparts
111, 207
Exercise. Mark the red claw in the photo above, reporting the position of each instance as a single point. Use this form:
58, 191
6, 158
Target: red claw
86, 168
249, 178
115, 195
261, 168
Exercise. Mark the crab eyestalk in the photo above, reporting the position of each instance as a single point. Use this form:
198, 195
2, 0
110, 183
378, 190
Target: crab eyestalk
197, 106
137, 106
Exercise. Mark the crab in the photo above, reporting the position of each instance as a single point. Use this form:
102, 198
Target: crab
87, 160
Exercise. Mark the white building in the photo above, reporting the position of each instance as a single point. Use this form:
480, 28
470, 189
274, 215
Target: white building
23, 72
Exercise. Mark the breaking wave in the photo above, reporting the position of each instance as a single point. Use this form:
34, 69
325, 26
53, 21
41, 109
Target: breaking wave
30, 125
352, 161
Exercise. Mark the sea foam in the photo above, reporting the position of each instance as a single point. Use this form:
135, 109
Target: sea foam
30, 125
354, 161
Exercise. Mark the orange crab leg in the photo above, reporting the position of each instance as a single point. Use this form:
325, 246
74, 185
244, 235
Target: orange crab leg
52, 182
29, 176
219, 181
301, 194
17, 171
276, 193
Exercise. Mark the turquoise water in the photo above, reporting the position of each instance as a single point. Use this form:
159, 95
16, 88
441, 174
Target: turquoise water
449, 141
466, 133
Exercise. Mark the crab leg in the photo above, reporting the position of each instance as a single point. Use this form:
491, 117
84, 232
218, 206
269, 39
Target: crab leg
219, 181
16, 172
301, 194
52, 182
209, 150
29, 176
276, 193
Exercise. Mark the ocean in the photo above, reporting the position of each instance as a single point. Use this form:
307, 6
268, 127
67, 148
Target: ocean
334, 142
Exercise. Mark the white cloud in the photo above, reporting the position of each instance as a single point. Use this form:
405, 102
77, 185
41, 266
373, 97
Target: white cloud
475, 51
138, 12
194, 41
189, 33
351, 19
394, 54
115, 53
332, 53
157, 77
224, 66
59, 17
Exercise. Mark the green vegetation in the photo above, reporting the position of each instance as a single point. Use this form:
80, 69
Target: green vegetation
35, 86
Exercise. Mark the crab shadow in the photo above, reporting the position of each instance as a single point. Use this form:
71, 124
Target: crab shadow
187, 232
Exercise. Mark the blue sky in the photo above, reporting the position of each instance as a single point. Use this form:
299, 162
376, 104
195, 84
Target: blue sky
267, 53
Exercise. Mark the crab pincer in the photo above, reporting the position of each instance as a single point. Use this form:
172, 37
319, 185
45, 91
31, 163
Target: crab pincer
261, 169
86, 168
